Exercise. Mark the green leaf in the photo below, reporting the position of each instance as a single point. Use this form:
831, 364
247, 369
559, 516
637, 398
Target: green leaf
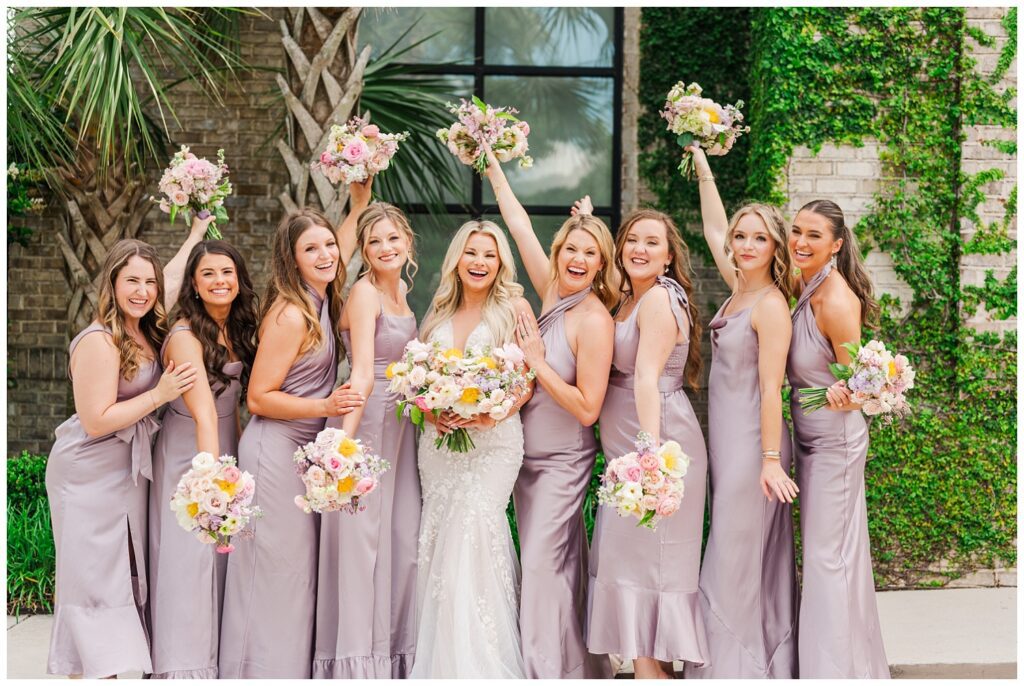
416, 416
480, 104
685, 139
840, 371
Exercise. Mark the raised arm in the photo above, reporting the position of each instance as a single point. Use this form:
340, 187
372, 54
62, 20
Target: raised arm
174, 271
712, 212
658, 334
519, 225
183, 347
359, 195
362, 308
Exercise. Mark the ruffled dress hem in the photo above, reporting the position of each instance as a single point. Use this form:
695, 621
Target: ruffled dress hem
368, 667
113, 638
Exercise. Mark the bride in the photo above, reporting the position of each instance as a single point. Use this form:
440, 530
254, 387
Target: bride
467, 590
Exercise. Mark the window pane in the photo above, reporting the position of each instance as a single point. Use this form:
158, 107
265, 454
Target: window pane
381, 27
549, 36
570, 137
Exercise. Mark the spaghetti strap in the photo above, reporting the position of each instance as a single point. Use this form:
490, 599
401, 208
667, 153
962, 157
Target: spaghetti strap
547, 320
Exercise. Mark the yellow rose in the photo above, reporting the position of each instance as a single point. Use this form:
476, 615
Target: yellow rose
453, 353
348, 447
346, 485
390, 371
470, 395
229, 488
193, 509
489, 362
892, 369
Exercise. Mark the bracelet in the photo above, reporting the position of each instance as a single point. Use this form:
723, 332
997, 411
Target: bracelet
706, 177
771, 455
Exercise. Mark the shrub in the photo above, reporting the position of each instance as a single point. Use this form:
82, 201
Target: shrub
31, 558
26, 479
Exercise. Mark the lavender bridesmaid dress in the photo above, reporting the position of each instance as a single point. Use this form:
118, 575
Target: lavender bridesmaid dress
559, 457
840, 636
186, 577
748, 587
366, 605
643, 599
97, 488
270, 593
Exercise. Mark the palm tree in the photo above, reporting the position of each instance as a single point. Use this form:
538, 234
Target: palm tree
97, 81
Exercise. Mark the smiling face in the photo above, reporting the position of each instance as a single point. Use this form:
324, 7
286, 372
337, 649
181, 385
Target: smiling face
811, 243
216, 279
317, 256
479, 263
579, 261
752, 246
387, 247
645, 251
135, 287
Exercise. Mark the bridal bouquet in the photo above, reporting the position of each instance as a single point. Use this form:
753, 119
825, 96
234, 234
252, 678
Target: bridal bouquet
194, 184
433, 380
479, 123
213, 500
695, 119
647, 483
338, 472
357, 150
876, 378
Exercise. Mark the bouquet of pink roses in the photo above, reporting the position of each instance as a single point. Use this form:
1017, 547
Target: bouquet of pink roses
695, 119
213, 500
194, 184
486, 381
876, 378
338, 472
646, 484
357, 150
478, 124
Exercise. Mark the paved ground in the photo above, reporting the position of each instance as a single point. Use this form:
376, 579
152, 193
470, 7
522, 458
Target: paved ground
948, 633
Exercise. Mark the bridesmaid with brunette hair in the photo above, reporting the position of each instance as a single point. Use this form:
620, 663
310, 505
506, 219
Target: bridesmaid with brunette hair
215, 333
366, 602
748, 587
574, 331
270, 592
96, 476
643, 599
840, 635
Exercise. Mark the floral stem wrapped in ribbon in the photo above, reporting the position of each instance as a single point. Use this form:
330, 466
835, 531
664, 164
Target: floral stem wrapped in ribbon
338, 472
647, 483
469, 384
875, 377
478, 124
702, 121
356, 151
194, 184
213, 500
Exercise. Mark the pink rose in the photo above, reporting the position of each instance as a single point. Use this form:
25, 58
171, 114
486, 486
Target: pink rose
370, 131
667, 506
325, 157
633, 473
649, 502
421, 403
524, 127
334, 464
225, 549
355, 152
231, 474
365, 485
648, 463
165, 207
179, 198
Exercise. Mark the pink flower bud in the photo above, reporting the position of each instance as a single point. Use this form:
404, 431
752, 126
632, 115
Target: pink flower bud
370, 131
365, 485
225, 549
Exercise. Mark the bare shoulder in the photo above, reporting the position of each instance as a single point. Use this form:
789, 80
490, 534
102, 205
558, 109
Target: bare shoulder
285, 316
838, 300
773, 305
656, 301
522, 306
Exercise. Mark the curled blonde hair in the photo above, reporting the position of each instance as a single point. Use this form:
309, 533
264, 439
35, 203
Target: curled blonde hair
153, 324
499, 313
778, 228
603, 284
369, 218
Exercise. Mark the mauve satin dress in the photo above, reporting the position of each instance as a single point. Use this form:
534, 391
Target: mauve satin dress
748, 587
642, 599
548, 496
270, 592
840, 636
186, 577
98, 488
366, 604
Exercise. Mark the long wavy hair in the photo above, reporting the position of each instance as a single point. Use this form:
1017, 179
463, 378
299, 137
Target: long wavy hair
848, 260
499, 314
242, 322
778, 228
679, 270
153, 324
286, 284
603, 284
369, 218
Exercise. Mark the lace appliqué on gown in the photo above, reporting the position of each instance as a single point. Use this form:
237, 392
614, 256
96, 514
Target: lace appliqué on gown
467, 594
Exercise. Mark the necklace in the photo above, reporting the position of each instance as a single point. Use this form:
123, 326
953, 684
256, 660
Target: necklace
756, 290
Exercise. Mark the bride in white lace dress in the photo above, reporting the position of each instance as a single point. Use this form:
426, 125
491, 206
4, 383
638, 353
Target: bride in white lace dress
467, 590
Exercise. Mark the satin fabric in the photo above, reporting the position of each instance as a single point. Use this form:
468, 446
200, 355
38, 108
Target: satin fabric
840, 636
97, 490
548, 497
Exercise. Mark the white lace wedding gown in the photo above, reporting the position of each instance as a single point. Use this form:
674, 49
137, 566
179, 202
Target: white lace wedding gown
467, 589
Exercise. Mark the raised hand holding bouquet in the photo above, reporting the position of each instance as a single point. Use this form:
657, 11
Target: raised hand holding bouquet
356, 151
875, 377
213, 500
194, 184
646, 484
479, 124
338, 472
699, 120
485, 382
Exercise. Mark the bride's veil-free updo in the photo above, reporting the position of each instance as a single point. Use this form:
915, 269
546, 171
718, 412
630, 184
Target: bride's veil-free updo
499, 314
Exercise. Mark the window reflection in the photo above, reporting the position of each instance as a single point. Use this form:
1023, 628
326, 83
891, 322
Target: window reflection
380, 27
549, 36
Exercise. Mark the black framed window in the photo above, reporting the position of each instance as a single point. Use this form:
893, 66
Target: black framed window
561, 67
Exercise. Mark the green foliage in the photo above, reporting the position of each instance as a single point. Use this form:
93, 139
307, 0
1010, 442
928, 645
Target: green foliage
30, 552
26, 479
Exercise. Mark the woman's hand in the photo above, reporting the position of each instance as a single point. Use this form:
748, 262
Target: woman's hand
342, 401
582, 206
839, 397
481, 422
200, 226
700, 160
174, 381
361, 192
528, 338
775, 483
